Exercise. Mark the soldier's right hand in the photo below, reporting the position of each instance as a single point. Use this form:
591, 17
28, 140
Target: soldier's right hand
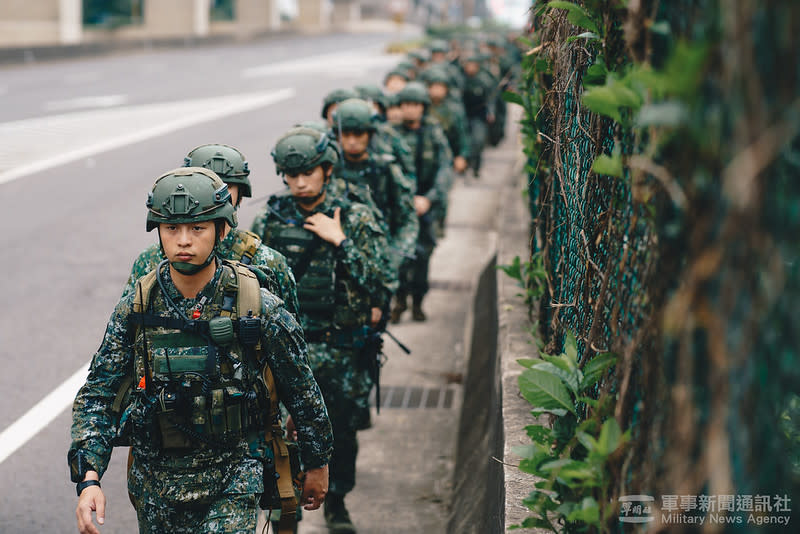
91, 500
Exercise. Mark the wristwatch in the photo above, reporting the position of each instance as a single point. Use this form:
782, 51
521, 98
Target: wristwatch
85, 484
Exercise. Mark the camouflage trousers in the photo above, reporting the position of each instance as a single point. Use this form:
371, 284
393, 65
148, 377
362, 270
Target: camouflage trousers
345, 386
230, 514
414, 273
478, 132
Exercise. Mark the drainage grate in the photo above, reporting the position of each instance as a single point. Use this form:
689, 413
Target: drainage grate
414, 398
451, 285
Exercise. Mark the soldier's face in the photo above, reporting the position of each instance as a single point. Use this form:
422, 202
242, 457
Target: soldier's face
471, 68
438, 57
412, 111
394, 84
394, 114
354, 143
437, 91
306, 184
188, 242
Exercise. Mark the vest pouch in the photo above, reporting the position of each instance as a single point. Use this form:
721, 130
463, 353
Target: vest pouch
221, 330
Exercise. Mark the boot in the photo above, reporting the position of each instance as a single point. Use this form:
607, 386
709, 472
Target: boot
416, 310
336, 516
400, 305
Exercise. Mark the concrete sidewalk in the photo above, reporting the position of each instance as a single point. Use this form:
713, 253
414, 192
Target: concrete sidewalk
406, 460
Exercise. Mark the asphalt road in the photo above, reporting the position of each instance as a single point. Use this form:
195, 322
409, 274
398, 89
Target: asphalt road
81, 142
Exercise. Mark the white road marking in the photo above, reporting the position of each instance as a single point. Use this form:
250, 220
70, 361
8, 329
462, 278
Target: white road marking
26, 146
350, 62
106, 101
41, 415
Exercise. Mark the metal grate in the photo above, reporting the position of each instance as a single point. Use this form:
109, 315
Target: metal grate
414, 398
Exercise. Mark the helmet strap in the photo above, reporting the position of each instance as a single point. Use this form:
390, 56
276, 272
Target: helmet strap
190, 269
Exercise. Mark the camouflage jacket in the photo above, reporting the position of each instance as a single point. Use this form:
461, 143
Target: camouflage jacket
176, 476
434, 160
236, 246
393, 195
361, 274
479, 94
387, 140
453, 120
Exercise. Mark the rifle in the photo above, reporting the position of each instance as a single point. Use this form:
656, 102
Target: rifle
373, 353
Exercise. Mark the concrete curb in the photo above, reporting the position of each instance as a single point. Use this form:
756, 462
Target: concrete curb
488, 485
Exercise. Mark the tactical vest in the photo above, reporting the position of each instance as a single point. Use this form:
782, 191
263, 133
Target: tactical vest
322, 287
375, 176
210, 393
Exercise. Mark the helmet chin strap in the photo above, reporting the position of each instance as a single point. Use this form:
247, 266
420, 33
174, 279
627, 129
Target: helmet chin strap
307, 201
189, 269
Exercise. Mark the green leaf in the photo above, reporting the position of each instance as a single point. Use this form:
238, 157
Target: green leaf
539, 434
543, 390
528, 362
571, 348
670, 114
588, 511
589, 36
587, 441
525, 451
596, 72
608, 165
595, 368
610, 437
609, 98
513, 98
569, 377
588, 400
514, 270
559, 412
576, 15
570, 469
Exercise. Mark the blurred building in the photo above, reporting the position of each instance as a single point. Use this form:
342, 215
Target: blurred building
25, 23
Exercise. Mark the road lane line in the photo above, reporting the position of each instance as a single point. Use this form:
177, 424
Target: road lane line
41, 415
239, 104
105, 101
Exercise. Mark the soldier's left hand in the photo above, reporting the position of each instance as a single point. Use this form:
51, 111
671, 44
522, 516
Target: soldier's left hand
327, 228
315, 487
459, 164
421, 205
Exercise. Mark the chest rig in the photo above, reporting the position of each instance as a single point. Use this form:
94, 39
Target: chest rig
202, 372
322, 286
376, 177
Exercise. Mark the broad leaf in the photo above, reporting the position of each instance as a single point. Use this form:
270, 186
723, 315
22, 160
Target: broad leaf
559, 412
571, 348
588, 511
544, 390
610, 437
595, 368
513, 98
576, 15
528, 362
570, 377
587, 441
538, 433
608, 165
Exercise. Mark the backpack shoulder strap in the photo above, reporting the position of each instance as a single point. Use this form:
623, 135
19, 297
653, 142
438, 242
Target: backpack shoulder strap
144, 287
249, 298
245, 246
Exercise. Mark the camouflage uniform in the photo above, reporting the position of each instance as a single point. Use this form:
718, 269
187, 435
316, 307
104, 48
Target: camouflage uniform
434, 175
238, 245
335, 334
478, 96
177, 488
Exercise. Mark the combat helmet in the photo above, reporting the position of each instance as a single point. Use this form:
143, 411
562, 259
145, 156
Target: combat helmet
372, 93
226, 162
439, 46
436, 75
187, 195
414, 92
301, 149
334, 97
354, 114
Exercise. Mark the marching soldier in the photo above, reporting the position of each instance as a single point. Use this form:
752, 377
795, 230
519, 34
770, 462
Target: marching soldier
433, 161
193, 347
335, 248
